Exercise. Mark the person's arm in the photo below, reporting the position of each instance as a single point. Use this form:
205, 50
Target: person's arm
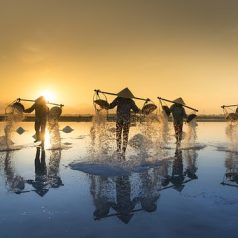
31, 109
134, 107
113, 104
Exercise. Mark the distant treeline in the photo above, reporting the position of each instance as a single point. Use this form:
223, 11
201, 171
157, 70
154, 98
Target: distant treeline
112, 117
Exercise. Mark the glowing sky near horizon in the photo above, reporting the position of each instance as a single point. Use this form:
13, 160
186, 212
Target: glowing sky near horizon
164, 48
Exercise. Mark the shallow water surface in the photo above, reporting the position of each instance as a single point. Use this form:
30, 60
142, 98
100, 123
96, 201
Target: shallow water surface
82, 188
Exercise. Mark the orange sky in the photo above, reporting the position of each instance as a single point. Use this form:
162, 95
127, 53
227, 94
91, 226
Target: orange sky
156, 48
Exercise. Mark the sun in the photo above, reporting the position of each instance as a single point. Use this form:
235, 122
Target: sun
49, 95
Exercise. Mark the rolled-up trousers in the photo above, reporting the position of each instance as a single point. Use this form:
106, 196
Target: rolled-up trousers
122, 127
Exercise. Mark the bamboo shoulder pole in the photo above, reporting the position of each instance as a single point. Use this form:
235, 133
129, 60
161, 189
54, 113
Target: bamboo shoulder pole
114, 94
174, 102
235, 105
29, 100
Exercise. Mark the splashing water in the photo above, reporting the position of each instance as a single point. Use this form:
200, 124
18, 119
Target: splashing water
54, 178
191, 133
164, 128
14, 182
11, 120
190, 157
102, 134
153, 136
146, 141
54, 132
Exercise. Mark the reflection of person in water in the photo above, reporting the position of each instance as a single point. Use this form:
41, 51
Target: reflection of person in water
124, 205
177, 177
150, 194
180, 176
40, 182
45, 179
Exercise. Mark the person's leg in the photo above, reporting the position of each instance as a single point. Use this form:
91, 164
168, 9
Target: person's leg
180, 132
119, 126
37, 130
126, 128
176, 132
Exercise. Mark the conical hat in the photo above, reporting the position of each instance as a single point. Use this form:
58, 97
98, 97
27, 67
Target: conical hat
125, 93
179, 101
40, 100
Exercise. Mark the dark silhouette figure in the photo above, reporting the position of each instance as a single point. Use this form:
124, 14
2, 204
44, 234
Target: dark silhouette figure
179, 115
124, 105
41, 114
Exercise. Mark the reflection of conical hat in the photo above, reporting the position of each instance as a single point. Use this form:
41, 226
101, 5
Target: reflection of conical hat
125, 93
179, 101
179, 188
125, 218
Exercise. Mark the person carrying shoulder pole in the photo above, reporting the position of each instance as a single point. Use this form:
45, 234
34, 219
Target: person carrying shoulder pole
41, 115
125, 104
179, 115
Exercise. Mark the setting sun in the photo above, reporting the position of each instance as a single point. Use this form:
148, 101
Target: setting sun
49, 96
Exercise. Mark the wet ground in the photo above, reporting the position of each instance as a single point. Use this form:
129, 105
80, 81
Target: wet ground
79, 190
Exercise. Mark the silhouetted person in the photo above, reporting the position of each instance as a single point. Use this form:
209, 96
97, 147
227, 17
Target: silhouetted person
124, 105
41, 114
179, 115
